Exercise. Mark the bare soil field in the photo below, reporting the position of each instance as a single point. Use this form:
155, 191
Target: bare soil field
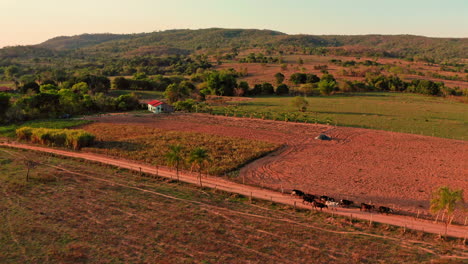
258, 73
385, 168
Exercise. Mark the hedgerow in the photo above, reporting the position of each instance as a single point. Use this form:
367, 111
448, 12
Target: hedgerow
74, 139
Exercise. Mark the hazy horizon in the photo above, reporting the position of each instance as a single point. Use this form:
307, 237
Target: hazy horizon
33, 22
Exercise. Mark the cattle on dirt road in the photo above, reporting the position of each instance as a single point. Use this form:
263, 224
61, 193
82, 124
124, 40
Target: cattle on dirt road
297, 193
366, 207
320, 205
332, 205
385, 210
308, 198
325, 198
346, 203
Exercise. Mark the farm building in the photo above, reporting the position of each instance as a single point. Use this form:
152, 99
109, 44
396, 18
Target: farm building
158, 107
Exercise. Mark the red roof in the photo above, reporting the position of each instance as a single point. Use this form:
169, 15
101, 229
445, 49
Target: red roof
155, 103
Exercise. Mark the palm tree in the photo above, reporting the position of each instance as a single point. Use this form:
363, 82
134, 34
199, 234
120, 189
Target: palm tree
446, 201
198, 158
174, 157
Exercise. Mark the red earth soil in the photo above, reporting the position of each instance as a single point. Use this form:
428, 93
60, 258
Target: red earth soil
384, 168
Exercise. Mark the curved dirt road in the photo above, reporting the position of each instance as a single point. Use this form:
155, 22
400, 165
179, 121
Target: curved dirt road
212, 182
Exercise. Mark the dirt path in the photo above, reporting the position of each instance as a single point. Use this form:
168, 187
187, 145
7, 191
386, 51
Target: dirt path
212, 182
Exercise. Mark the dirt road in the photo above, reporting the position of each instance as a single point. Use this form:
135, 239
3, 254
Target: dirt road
250, 191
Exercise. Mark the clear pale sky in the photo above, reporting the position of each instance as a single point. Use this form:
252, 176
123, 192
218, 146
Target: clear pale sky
33, 21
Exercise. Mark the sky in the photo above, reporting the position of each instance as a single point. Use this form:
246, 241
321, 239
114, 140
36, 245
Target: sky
24, 22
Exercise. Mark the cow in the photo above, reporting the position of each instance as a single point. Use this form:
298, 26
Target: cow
366, 207
308, 198
297, 193
320, 205
332, 205
385, 210
346, 203
324, 198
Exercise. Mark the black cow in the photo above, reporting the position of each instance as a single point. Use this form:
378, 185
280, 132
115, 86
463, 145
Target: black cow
346, 203
297, 193
385, 210
308, 198
366, 207
316, 205
324, 198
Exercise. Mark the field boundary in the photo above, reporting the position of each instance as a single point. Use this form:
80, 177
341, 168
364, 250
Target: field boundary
252, 192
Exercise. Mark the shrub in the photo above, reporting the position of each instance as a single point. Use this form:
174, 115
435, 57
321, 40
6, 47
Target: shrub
282, 89
75, 139
24, 133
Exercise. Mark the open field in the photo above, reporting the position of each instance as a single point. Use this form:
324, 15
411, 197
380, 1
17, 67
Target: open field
150, 145
392, 169
9, 130
258, 73
75, 212
400, 112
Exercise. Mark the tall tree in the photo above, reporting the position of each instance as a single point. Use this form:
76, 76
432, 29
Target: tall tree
446, 201
279, 78
326, 87
199, 158
4, 104
174, 157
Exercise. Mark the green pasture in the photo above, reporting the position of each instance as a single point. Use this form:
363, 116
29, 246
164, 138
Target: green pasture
400, 112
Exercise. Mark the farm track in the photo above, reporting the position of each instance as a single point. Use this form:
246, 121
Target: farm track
259, 193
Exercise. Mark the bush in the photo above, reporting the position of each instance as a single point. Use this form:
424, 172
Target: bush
24, 133
187, 105
282, 89
75, 139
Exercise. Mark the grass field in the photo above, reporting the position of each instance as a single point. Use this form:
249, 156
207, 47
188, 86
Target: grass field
9, 130
400, 112
84, 213
150, 145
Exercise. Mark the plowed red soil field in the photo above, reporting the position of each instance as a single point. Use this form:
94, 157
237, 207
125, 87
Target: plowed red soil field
384, 168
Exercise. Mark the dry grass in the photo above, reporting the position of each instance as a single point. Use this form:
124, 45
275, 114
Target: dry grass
83, 217
150, 145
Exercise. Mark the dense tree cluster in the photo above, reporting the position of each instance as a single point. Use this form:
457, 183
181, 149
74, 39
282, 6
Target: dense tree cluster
78, 95
260, 58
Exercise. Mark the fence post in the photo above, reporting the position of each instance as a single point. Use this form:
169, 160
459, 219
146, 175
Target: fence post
417, 215
250, 197
294, 206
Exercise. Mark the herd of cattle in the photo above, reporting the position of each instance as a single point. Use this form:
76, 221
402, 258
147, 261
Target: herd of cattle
320, 202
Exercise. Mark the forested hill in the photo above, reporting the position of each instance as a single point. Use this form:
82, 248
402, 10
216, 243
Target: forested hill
187, 41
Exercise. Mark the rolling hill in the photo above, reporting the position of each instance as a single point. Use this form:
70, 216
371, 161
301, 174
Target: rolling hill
216, 39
